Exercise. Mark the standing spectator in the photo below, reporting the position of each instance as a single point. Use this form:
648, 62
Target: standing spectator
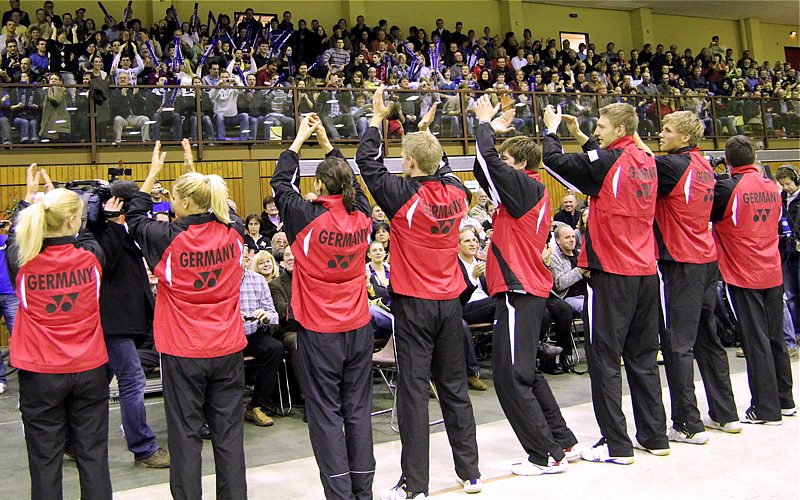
126, 314
745, 232
623, 295
24, 20
56, 119
333, 107
425, 303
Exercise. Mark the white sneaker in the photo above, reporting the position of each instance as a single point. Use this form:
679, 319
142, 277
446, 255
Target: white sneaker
729, 427
681, 436
600, 453
3, 386
660, 452
472, 485
528, 468
399, 493
573, 453
786, 412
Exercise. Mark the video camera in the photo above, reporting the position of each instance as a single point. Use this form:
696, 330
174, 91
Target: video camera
95, 194
716, 163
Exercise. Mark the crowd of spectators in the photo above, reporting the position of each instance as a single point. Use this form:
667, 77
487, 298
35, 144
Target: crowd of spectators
253, 65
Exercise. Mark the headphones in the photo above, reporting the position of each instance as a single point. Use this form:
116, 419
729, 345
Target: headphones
790, 172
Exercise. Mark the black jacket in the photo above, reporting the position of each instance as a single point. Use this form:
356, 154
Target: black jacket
467, 293
126, 301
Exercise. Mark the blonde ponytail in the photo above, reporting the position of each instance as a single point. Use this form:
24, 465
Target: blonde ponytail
219, 198
42, 219
208, 192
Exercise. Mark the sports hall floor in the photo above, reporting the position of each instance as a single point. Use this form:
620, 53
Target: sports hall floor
763, 462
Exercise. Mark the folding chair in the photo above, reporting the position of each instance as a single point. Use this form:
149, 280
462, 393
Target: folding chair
385, 361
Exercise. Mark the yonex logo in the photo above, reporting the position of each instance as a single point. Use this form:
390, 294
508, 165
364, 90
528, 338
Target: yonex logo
644, 192
709, 196
443, 226
64, 302
761, 214
342, 261
208, 279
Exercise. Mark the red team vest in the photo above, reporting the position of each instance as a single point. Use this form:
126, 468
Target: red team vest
519, 243
682, 216
747, 236
620, 227
57, 329
197, 305
424, 237
329, 293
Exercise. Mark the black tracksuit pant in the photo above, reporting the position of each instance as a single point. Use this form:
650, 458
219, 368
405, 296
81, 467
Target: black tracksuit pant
53, 406
523, 392
214, 387
335, 374
268, 352
759, 319
429, 345
688, 332
622, 314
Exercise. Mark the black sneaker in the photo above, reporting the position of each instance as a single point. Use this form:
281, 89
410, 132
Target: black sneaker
751, 418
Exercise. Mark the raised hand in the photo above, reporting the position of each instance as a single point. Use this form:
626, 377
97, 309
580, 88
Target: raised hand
572, 124
504, 123
552, 118
113, 209
484, 111
157, 160
380, 108
188, 157
322, 138
307, 128
32, 179
48, 184
427, 119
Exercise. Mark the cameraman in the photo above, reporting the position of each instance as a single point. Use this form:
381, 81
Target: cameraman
790, 251
126, 314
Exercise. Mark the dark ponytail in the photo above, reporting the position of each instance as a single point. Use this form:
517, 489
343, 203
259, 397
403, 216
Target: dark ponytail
337, 176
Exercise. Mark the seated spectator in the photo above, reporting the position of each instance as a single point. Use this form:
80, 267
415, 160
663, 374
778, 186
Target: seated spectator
160, 106
380, 232
477, 305
5, 115
380, 299
280, 110
333, 107
259, 313
279, 243
568, 281
25, 110
126, 103
223, 98
270, 218
335, 59
281, 290
569, 213
253, 238
378, 216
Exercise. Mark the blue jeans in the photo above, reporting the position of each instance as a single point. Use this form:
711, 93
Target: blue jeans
242, 119
8, 309
123, 361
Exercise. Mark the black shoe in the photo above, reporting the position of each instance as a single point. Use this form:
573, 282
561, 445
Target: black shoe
205, 432
547, 351
551, 367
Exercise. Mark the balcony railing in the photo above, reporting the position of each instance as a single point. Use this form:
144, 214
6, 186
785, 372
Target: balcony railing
43, 116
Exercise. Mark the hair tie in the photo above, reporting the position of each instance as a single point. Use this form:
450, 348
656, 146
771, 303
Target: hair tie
46, 203
206, 179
